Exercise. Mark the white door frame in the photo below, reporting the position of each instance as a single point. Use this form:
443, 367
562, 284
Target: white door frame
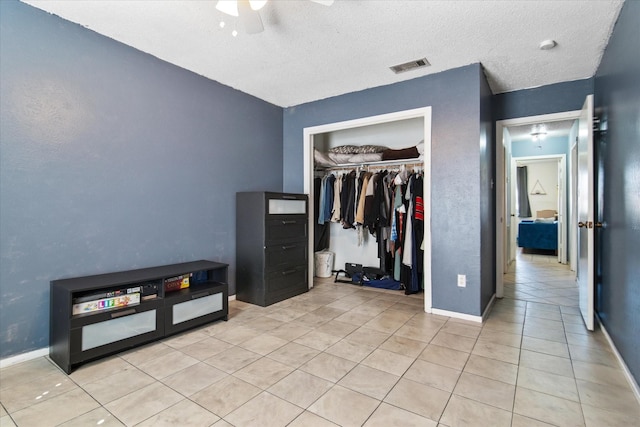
309, 134
573, 207
562, 195
501, 164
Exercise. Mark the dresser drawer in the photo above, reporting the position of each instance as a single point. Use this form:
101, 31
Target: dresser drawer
287, 205
285, 229
286, 283
189, 307
272, 246
281, 256
103, 333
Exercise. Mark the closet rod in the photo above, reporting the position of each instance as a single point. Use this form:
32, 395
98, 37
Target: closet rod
381, 164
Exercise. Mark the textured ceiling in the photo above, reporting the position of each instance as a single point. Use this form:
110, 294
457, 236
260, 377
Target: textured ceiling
557, 128
309, 51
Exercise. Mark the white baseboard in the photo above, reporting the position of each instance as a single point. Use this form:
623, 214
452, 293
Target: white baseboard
14, 360
464, 316
632, 382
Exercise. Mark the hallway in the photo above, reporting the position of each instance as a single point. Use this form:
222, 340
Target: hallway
540, 278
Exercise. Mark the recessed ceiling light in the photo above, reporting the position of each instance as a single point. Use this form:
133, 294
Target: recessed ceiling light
548, 44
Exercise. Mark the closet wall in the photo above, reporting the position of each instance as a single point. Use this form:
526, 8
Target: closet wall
461, 171
395, 135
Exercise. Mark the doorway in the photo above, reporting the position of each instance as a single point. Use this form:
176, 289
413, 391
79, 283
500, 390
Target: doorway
546, 193
505, 132
311, 133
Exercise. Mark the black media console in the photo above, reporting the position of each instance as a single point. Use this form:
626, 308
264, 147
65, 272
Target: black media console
94, 316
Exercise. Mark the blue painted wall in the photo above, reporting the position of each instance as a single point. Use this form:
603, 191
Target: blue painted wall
110, 160
551, 145
617, 90
457, 190
555, 98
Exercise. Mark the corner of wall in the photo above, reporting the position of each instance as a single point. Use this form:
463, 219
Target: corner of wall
488, 194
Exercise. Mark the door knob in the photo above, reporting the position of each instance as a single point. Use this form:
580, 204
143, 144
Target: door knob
599, 225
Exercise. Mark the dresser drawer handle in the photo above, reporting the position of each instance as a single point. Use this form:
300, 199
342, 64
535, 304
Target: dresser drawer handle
287, 247
288, 222
200, 295
123, 313
288, 272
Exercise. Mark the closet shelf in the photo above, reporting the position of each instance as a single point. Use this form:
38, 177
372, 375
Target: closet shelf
415, 161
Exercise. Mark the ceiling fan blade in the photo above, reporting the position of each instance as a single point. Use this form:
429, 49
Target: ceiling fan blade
250, 20
323, 2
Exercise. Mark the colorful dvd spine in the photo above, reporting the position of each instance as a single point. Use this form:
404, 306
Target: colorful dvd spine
177, 283
106, 303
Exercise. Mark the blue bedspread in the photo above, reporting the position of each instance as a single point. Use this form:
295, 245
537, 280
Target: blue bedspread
538, 235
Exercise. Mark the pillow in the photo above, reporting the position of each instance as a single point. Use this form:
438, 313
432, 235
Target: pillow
545, 220
344, 149
322, 159
404, 153
547, 213
340, 157
420, 147
365, 157
357, 149
367, 149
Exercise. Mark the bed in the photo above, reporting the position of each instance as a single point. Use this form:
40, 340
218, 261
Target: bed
541, 233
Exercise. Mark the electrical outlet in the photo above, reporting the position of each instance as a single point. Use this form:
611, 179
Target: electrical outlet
462, 280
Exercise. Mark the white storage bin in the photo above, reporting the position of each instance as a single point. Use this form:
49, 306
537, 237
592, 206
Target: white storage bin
323, 263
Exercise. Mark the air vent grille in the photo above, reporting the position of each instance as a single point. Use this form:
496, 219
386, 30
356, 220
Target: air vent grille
411, 65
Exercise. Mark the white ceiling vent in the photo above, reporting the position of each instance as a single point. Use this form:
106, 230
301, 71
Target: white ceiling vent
411, 65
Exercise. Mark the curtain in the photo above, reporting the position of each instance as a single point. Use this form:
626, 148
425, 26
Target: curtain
524, 208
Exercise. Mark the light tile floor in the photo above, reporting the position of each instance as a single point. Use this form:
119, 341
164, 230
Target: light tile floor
350, 356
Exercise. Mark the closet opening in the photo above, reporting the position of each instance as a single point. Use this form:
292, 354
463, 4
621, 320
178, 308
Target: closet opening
401, 134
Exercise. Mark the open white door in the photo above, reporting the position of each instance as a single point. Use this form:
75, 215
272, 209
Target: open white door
585, 198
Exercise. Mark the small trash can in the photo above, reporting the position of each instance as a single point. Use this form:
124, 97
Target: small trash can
323, 263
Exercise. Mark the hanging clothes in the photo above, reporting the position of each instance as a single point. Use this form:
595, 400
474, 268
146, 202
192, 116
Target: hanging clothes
348, 199
417, 253
366, 176
323, 194
388, 206
418, 226
337, 189
371, 218
328, 198
321, 231
408, 241
400, 211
